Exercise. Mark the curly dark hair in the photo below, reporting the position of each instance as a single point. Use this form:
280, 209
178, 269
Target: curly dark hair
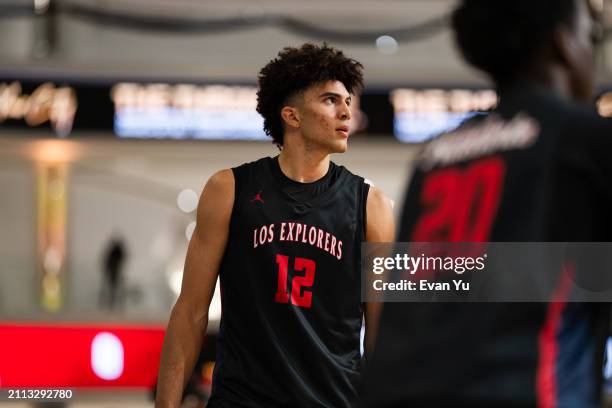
503, 38
296, 69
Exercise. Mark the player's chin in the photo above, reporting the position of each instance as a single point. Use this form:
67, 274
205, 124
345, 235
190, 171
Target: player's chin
340, 146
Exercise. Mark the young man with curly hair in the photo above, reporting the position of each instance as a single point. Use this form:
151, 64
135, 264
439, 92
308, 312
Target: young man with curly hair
283, 234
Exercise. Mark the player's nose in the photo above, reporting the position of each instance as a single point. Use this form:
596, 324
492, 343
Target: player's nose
345, 111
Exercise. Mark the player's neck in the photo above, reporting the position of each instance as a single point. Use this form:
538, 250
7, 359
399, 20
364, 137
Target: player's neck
303, 165
550, 79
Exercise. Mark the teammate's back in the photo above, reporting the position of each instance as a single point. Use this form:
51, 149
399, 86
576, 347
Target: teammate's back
534, 170
536, 178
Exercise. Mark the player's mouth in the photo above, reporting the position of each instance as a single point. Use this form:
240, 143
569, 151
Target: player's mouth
344, 131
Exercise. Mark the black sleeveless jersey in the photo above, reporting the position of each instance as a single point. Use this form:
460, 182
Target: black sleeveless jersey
534, 171
290, 291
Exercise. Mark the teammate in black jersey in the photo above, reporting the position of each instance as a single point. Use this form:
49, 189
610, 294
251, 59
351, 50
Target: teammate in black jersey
538, 169
284, 235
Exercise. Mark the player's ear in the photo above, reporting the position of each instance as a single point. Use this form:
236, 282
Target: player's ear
291, 116
565, 44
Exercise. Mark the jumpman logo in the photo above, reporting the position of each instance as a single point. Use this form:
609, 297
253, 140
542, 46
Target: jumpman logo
258, 198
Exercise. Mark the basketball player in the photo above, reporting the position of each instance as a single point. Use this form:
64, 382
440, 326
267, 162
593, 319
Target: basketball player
549, 180
283, 234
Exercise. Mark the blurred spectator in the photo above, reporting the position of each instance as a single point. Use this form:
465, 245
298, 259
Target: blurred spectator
114, 259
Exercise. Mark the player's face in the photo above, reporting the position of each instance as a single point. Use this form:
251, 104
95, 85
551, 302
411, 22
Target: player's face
582, 71
325, 115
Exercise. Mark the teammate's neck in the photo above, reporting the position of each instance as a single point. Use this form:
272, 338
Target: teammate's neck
303, 165
551, 79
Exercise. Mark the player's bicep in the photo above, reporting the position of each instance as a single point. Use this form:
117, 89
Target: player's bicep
208, 241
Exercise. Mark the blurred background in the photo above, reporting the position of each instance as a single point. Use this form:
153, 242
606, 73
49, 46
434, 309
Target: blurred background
114, 113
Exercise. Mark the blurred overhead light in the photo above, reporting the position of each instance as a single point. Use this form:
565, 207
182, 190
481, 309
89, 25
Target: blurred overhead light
604, 105
52, 261
187, 200
387, 45
107, 356
54, 151
41, 6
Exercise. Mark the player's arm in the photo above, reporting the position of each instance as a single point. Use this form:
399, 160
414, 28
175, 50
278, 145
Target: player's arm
189, 317
380, 227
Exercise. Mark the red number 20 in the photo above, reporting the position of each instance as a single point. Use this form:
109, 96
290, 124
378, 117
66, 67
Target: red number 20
460, 205
297, 298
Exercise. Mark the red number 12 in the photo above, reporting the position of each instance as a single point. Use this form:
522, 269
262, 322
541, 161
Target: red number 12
297, 298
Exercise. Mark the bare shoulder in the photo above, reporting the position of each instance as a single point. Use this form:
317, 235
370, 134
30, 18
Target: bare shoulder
378, 204
215, 205
221, 181
380, 223
377, 198
218, 192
